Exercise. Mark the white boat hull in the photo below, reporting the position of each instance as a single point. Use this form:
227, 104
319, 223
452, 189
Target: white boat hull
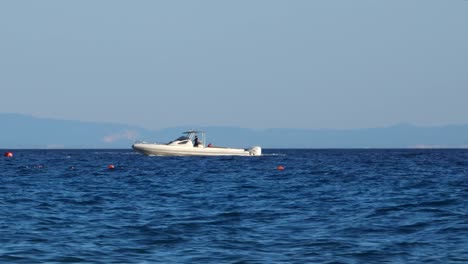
170, 150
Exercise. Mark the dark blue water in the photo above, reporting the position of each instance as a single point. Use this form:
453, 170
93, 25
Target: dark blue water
326, 206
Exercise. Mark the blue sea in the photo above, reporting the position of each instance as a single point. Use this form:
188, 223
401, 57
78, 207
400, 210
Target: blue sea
326, 206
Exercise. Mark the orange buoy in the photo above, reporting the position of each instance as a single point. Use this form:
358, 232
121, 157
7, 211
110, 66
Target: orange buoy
280, 168
8, 154
111, 167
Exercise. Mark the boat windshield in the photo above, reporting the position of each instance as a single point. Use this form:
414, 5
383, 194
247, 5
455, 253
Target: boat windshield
182, 138
190, 135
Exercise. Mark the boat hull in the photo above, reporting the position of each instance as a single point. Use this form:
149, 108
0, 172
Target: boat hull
167, 150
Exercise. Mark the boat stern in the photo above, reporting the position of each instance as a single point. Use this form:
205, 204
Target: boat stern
255, 151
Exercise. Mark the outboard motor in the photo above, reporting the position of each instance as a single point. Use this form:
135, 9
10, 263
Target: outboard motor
255, 151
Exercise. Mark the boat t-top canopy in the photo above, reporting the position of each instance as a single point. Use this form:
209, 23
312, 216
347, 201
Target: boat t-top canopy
191, 134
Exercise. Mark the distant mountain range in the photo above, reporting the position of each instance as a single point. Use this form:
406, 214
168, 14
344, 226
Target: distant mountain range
22, 131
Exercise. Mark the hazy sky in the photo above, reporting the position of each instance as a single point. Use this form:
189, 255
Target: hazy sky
257, 64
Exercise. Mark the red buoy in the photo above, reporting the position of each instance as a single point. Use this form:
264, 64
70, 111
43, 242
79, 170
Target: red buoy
280, 168
111, 167
8, 154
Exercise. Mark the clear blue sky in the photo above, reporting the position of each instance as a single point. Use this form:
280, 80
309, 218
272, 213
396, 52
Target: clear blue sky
257, 64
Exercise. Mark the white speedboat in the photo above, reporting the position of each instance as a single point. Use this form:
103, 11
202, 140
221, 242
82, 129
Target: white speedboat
190, 145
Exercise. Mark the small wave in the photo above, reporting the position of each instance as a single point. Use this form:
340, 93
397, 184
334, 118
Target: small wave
7, 258
67, 259
117, 152
408, 244
414, 227
230, 214
275, 154
439, 203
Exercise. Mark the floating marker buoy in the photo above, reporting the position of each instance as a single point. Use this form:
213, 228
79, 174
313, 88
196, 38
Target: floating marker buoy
111, 167
280, 168
8, 154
